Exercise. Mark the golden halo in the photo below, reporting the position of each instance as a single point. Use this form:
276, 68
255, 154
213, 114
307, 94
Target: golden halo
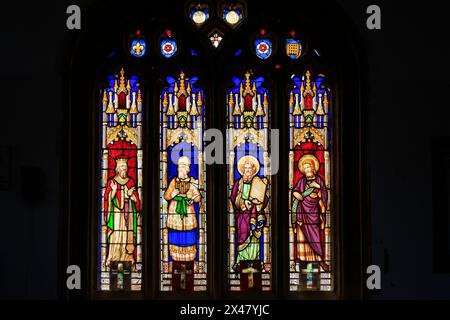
248, 159
308, 157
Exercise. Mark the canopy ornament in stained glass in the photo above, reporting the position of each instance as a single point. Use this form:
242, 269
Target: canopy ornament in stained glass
216, 39
199, 13
293, 47
168, 45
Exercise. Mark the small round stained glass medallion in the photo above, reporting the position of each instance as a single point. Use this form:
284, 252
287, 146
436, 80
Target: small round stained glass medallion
232, 17
168, 48
138, 48
199, 17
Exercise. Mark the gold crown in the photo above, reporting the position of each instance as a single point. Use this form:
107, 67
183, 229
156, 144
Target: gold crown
121, 160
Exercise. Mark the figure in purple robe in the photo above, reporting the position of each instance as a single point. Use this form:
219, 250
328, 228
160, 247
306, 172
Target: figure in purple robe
309, 208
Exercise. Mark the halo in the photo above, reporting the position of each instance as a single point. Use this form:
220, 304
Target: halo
246, 159
309, 157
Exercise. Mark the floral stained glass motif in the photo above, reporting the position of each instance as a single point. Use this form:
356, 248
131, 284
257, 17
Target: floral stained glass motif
263, 48
249, 204
216, 39
168, 47
120, 205
138, 48
310, 155
182, 186
168, 44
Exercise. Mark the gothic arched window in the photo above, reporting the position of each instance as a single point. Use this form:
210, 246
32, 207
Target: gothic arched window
148, 215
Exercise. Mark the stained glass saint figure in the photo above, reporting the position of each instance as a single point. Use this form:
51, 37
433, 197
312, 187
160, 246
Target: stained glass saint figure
249, 198
309, 208
122, 207
181, 194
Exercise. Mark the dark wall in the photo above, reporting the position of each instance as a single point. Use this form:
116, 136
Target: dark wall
408, 71
407, 105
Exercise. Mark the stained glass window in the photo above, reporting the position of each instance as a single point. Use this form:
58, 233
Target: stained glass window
182, 183
249, 206
310, 230
120, 220
169, 209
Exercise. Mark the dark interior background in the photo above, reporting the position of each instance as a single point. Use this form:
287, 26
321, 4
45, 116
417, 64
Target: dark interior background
407, 106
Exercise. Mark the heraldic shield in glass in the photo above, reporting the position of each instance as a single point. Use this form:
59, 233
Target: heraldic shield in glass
249, 206
182, 186
121, 159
